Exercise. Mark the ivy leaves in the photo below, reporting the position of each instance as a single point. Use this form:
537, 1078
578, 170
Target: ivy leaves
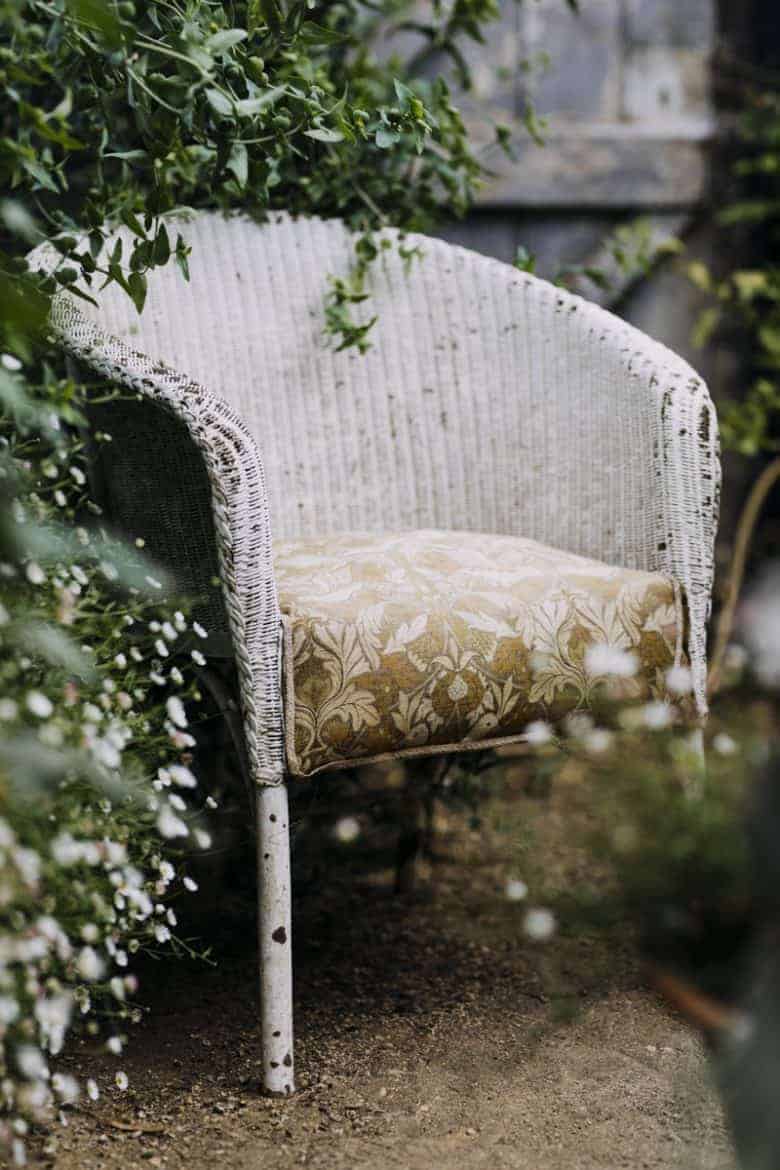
127, 111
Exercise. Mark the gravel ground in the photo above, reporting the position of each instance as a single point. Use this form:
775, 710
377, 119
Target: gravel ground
431, 1032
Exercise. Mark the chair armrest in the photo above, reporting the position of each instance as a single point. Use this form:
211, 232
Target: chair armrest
239, 511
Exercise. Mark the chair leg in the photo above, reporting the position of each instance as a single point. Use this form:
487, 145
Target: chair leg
275, 938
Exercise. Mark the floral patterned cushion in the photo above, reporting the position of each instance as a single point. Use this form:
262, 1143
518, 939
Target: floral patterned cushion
452, 640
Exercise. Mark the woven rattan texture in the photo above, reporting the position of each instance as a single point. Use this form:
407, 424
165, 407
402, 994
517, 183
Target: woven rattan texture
490, 400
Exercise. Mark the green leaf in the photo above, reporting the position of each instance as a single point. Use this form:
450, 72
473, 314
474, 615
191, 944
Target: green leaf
385, 138
136, 284
322, 134
247, 107
221, 104
222, 42
238, 163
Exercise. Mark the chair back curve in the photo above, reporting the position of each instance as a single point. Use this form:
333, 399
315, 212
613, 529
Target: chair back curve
489, 400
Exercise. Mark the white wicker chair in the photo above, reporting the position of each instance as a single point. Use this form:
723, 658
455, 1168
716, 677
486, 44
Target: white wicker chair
490, 401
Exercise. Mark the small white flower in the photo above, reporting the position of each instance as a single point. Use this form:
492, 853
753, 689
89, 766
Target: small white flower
679, 680
346, 830
603, 659
598, 740
34, 573
39, 704
161, 648
515, 890
66, 1087
179, 621
89, 964
539, 924
176, 712
117, 987
78, 475
93, 1092
182, 777
60, 498
121, 1080
198, 658
120, 660
162, 933
157, 678
114, 1045
10, 362
169, 825
176, 676
190, 884
211, 802
198, 629
168, 632
202, 839
31, 1063
724, 745
9, 1009
656, 716
538, 733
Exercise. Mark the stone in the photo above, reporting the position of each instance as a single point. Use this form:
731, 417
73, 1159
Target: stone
661, 83
685, 24
584, 49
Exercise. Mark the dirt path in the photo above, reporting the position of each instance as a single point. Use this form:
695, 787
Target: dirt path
432, 1035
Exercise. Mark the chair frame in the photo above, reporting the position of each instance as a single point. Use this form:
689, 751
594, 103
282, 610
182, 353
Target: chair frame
665, 405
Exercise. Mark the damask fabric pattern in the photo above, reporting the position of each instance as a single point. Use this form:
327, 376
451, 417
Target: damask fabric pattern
430, 639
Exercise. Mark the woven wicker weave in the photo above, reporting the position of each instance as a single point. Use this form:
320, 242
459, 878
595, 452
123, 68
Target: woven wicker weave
490, 400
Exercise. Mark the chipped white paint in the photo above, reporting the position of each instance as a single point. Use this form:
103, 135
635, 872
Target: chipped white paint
275, 938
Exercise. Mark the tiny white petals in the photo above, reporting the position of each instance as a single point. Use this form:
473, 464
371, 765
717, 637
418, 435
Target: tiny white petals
515, 890
679, 680
724, 745
10, 362
114, 1045
603, 659
598, 740
169, 825
39, 704
161, 648
538, 733
176, 712
539, 924
121, 1080
34, 573
89, 964
198, 658
198, 629
190, 884
93, 1092
656, 716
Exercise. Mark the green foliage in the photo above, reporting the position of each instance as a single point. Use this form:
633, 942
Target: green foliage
123, 112
745, 305
120, 112
96, 793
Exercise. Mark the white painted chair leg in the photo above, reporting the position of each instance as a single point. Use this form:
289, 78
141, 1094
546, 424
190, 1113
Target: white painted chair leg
275, 931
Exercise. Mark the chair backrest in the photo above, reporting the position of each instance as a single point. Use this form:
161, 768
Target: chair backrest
475, 407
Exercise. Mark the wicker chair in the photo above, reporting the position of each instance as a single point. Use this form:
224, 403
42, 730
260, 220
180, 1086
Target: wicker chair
490, 403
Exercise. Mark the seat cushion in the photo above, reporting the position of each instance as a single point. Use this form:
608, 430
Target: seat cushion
427, 640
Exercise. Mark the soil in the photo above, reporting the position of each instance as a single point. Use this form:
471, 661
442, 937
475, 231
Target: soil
431, 1032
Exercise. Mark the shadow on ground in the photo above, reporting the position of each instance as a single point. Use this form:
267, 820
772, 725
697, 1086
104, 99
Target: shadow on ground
431, 1032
